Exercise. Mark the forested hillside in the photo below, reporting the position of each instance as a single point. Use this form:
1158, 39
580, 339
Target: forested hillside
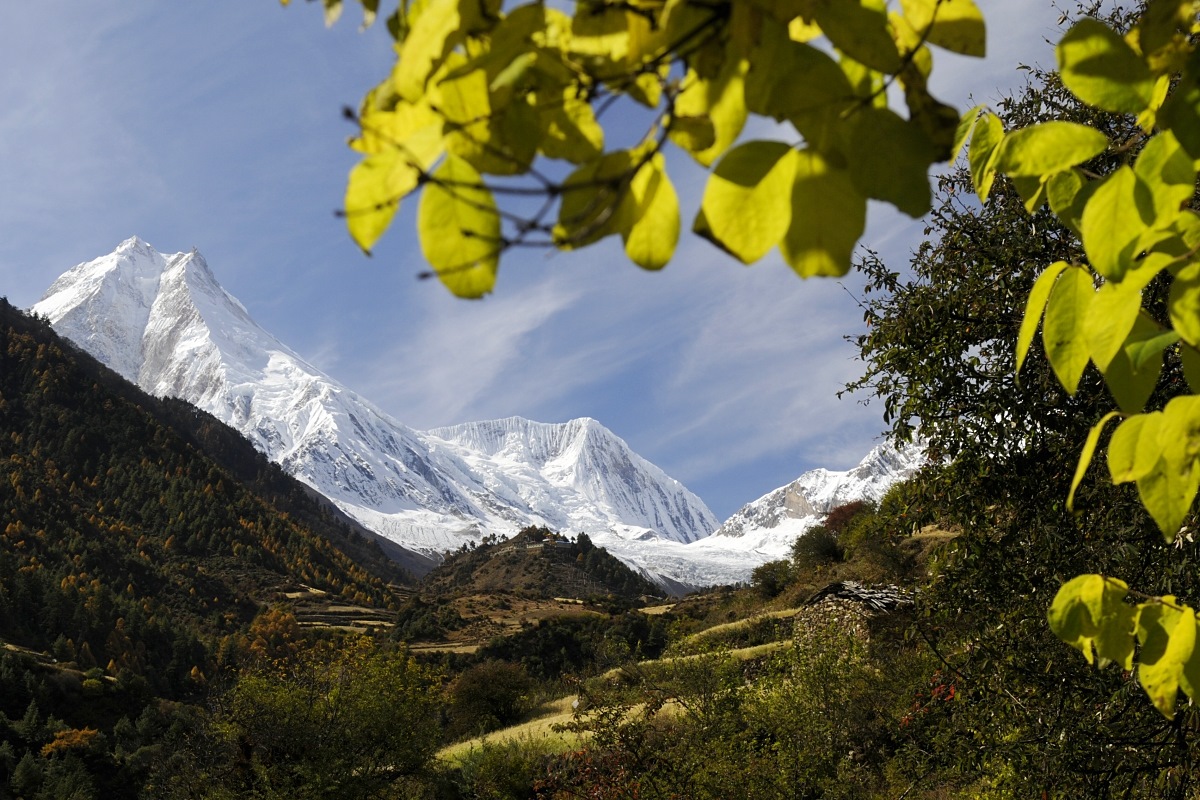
139, 540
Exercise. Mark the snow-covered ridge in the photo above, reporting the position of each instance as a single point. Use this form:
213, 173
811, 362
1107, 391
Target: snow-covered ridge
772, 522
165, 323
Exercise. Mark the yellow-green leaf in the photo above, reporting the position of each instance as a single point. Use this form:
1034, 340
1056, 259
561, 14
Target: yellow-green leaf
569, 128
966, 124
956, 25
1167, 494
1111, 317
828, 218
771, 85
1102, 70
433, 35
721, 100
1032, 191
1112, 224
406, 142
1048, 147
1189, 357
650, 241
1063, 330
890, 160
459, 229
1169, 488
1167, 634
1163, 34
1134, 449
499, 141
860, 30
1067, 193
1133, 372
746, 208
595, 201
1034, 306
982, 154
1085, 456
1183, 304
1089, 613
1181, 112
1168, 173
601, 30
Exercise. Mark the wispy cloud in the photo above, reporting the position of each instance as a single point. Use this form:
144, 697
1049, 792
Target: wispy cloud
459, 354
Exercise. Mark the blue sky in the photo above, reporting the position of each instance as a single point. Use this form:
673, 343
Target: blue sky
217, 125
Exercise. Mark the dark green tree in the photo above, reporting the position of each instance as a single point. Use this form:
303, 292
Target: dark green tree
1031, 717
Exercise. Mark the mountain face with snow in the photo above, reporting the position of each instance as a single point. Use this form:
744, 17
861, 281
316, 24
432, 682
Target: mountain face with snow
772, 522
166, 324
765, 529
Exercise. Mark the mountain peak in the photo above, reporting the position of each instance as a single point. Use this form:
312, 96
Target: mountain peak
136, 244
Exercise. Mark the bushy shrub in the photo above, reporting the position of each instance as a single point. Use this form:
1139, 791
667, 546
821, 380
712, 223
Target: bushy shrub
508, 770
487, 697
771, 578
818, 546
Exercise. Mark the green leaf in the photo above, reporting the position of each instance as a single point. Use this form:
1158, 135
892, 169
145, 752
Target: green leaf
1085, 456
1133, 449
1063, 331
860, 30
650, 241
1089, 613
956, 25
1102, 70
1034, 306
1133, 373
828, 218
1112, 224
890, 160
1167, 636
983, 152
1183, 304
1049, 147
459, 229
746, 208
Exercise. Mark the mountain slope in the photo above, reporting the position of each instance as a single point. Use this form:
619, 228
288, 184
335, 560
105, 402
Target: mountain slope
166, 323
124, 538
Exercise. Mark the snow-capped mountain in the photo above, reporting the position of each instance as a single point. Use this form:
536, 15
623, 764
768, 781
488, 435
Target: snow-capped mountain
165, 323
772, 522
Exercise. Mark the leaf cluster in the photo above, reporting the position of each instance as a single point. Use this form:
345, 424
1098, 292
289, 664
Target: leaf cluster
497, 116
